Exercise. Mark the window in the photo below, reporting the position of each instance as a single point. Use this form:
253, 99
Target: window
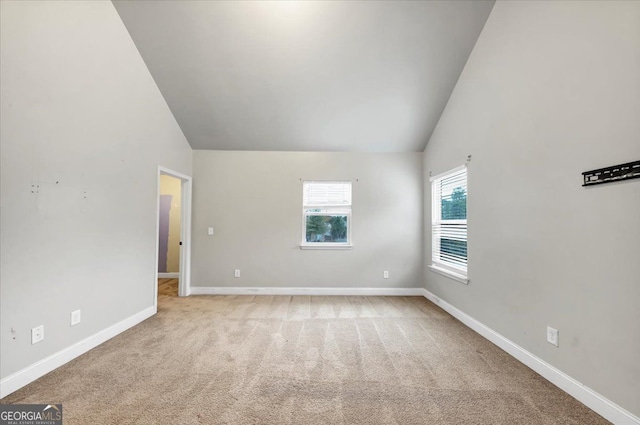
449, 223
326, 213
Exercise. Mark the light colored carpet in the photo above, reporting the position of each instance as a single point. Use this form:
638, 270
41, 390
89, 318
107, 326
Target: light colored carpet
301, 360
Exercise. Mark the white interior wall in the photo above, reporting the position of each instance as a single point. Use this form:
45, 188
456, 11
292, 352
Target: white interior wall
551, 89
253, 200
83, 130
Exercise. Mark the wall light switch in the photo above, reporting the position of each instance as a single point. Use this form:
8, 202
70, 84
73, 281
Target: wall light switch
210, 231
385, 274
236, 273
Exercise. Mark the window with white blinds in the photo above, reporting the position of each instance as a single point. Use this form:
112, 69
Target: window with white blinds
449, 221
320, 193
326, 214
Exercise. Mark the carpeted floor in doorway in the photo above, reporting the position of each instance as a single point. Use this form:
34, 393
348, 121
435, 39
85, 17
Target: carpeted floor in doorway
301, 360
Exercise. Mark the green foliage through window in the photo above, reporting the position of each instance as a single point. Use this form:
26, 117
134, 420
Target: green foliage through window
454, 207
326, 228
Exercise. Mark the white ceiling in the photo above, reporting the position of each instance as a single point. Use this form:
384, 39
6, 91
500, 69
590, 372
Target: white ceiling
305, 76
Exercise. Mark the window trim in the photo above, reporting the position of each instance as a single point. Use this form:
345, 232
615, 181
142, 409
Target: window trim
349, 214
442, 267
448, 273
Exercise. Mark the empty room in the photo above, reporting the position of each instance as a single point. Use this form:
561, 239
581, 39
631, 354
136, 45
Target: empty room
320, 212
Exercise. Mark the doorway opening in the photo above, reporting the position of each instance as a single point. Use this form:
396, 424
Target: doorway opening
173, 259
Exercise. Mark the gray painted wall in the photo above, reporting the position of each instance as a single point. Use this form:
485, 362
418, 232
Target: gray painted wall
83, 121
254, 202
551, 89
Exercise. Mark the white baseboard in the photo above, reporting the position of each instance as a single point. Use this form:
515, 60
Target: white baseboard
30, 373
596, 402
238, 290
174, 275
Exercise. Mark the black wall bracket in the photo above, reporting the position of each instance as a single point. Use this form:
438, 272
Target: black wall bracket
615, 173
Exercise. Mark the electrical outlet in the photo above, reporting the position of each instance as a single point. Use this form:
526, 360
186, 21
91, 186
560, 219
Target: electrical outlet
37, 334
236, 273
385, 274
75, 317
552, 336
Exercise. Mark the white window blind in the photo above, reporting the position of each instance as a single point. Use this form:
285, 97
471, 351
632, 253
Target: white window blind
449, 221
326, 194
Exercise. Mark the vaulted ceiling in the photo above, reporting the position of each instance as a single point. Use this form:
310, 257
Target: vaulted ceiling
305, 75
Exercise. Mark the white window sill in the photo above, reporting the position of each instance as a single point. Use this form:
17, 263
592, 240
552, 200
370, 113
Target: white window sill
448, 273
326, 246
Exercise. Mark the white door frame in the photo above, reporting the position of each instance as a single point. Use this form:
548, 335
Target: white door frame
184, 282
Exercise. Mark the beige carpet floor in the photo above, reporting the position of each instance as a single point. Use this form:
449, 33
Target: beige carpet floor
301, 360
